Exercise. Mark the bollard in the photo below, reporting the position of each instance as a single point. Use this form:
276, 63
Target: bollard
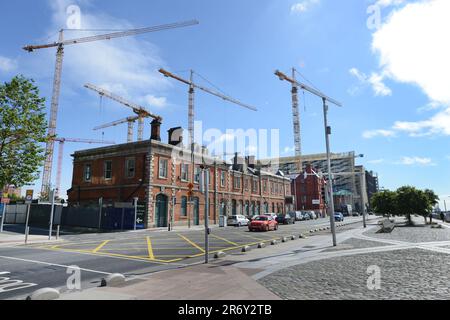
219, 255
261, 245
57, 232
274, 242
113, 280
246, 249
293, 237
44, 294
284, 239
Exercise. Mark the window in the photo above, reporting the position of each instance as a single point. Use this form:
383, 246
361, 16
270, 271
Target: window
198, 171
108, 170
237, 182
184, 172
163, 166
265, 186
87, 173
183, 207
223, 179
255, 186
246, 184
130, 167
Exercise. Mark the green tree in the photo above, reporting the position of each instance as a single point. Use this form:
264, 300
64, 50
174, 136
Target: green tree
412, 201
385, 202
22, 132
433, 200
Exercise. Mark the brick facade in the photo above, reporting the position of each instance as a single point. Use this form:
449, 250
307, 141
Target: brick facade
159, 177
307, 190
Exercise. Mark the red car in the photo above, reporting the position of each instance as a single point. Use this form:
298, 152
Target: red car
263, 223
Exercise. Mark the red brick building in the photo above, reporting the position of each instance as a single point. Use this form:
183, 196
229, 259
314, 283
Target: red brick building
159, 174
309, 191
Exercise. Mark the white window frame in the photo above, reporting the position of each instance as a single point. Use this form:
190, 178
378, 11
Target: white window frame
163, 164
105, 169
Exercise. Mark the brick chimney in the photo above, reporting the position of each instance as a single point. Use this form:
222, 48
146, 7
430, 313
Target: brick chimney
156, 130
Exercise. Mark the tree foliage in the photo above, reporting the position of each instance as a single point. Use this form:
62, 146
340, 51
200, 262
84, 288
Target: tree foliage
405, 201
22, 132
384, 202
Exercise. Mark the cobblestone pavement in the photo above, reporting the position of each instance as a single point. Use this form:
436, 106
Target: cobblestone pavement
355, 243
413, 234
414, 264
405, 274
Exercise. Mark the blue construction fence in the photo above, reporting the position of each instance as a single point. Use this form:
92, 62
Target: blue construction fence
108, 218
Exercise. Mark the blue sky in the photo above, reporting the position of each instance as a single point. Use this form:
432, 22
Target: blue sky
391, 80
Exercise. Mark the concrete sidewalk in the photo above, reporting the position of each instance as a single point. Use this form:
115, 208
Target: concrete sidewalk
13, 239
200, 282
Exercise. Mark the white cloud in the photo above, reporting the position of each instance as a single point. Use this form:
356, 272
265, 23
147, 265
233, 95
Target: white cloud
375, 81
304, 6
126, 66
7, 64
158, 102
412, 161
388, 3
412, 48
378, 133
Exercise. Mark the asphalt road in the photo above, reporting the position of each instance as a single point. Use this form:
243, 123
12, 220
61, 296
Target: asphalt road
24, 269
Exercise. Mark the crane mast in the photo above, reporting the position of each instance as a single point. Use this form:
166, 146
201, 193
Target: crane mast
296, 119
48, 164
62, 142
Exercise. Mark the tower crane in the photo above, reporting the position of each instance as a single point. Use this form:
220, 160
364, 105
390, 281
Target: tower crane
129, 120
62, 141
325, 100
191, 113
137, 109
60, 44
192, 87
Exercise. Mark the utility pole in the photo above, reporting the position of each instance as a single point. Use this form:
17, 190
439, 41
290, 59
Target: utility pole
207, 231
330, 175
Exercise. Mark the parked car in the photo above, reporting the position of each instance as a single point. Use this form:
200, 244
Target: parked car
263, 223
306, 216
273, 215
238, 221
312, 215
298, 215
355, 214
285, 219
338, 216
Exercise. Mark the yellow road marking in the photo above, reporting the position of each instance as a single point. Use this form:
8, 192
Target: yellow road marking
104, 243
150, 249
191, 243
223, 239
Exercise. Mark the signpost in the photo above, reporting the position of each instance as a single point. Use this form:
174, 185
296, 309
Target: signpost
5, 201
135, 212
316, 202
52, 212
28, 201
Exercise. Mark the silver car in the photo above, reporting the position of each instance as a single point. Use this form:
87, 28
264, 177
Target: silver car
238, 221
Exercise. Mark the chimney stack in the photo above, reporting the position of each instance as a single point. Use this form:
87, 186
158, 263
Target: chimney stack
156, 130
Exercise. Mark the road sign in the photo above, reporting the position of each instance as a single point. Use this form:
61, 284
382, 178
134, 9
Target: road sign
29, 197
316, 202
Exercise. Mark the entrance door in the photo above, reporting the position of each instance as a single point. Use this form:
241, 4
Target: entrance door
161, 211
196, 214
